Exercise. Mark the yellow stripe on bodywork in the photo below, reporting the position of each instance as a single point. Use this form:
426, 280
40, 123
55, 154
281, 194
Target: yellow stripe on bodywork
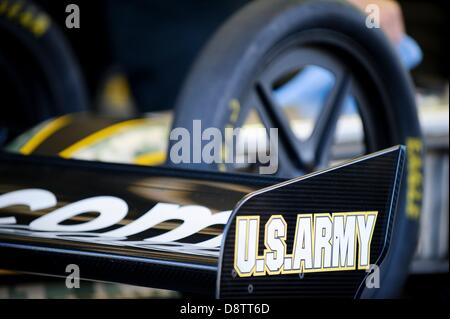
151, 158
98, 136
44, 133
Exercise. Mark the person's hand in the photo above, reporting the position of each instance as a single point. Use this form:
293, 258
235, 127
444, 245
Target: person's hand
391, 17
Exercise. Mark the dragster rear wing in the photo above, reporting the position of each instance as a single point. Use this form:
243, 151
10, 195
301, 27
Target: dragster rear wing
218, 234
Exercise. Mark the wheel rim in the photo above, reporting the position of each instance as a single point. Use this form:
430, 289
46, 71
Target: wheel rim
312, 49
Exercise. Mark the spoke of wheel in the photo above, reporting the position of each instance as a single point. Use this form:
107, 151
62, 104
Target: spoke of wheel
286, 136
321, 139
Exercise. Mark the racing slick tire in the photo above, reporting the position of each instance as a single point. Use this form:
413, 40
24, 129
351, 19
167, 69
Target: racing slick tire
39, 76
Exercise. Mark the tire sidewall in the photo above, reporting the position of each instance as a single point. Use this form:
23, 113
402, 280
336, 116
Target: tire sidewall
232, 58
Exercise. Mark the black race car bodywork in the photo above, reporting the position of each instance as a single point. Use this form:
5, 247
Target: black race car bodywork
228, 235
